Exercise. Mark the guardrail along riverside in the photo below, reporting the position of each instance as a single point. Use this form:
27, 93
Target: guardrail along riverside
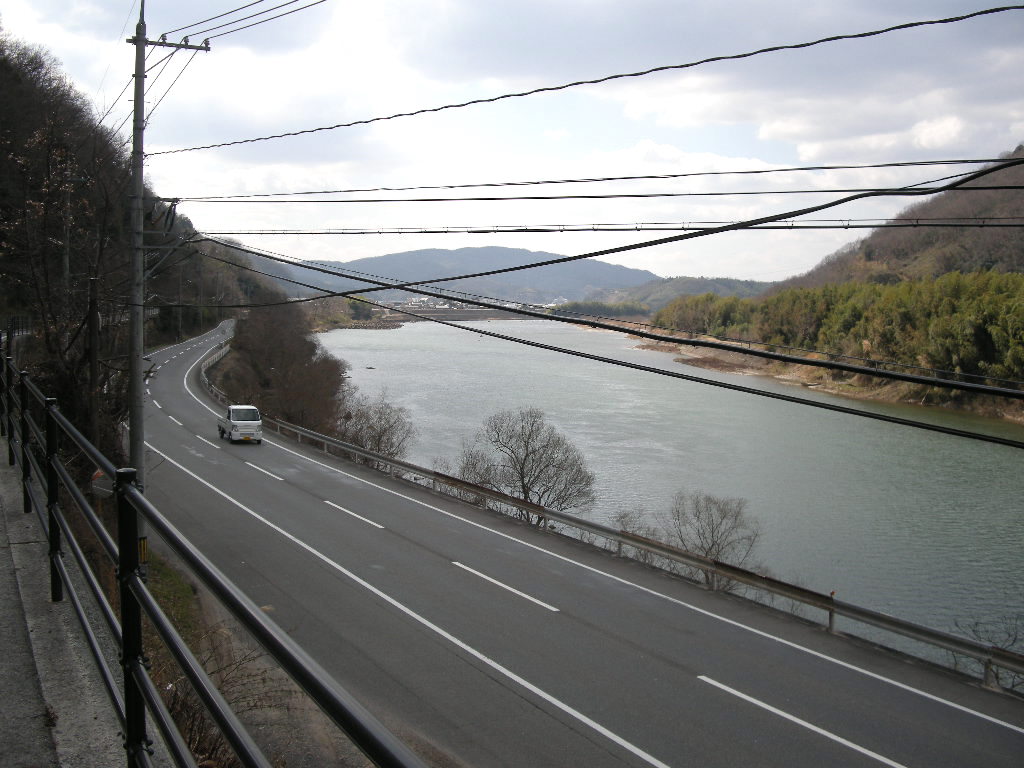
38, 435
988, 657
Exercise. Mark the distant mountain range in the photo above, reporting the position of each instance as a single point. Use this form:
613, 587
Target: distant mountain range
581, 280
571, 281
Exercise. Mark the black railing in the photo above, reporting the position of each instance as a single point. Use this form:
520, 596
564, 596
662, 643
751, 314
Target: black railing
37, 433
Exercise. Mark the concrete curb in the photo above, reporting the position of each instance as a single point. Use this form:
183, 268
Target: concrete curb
54, 710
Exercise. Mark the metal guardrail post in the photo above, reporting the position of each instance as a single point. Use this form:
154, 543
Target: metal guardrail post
990, 679
26, 467
9, 408
52, 496
135, 741
5, 401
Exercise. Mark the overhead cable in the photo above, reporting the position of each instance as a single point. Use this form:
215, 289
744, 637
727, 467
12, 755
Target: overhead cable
608, 78
991, 222
376, 284
733, 387
213, 18
748, 224
264, 21
646, 177
864, 366
678, 374
173, 83
610, 196
202, 33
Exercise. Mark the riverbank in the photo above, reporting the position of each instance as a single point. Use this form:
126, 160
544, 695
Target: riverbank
854, 387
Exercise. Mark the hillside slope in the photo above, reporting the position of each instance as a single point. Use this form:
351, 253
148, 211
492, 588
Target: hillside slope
893, 255
657, 293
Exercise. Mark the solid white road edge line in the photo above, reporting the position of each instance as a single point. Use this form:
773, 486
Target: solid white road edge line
650, 759
513, 590
760, 633
350, 512
261, 469
810, 726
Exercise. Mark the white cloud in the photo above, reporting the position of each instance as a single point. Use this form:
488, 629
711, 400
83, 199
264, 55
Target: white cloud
938, 133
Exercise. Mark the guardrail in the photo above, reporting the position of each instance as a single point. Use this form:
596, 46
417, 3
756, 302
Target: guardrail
988, 656
36, 433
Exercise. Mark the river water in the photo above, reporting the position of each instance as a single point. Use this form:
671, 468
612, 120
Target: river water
921, 525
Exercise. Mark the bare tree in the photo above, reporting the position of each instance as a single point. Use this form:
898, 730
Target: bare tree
377, 425
518, 453
1005, 631
716, 527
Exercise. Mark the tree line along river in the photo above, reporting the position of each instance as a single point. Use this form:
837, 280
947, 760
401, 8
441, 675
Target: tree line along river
921, 525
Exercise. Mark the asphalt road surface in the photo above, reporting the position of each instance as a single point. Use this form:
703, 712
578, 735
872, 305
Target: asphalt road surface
499, 645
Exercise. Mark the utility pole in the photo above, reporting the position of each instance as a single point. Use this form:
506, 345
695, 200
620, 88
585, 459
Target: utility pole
137, 312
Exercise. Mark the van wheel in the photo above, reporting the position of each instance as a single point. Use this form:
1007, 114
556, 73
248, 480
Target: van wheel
259, 442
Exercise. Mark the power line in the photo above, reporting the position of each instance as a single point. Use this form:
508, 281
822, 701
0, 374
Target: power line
173, 83
244, 18
991, 222
608, 78
463, 296
724, 343
641, 328
683, 376
729, 386
748, 224
609, 196
214, 18
591, 180
377, 284
264, 21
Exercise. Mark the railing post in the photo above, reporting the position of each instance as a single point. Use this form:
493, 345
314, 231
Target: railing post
135, 741
832, 614
26, 466
9, 416
52, 496
991, 679
6, 397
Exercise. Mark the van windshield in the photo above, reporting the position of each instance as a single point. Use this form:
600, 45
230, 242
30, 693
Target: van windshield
245, 414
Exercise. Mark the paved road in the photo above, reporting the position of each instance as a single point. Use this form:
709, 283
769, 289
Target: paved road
498, 645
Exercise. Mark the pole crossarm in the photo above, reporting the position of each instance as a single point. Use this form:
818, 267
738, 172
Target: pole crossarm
164, 44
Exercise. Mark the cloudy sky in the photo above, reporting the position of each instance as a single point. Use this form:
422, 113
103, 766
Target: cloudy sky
931, 93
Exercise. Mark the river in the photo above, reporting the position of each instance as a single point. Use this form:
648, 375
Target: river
921, 525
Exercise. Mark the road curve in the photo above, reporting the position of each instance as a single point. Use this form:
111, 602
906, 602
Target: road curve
499, 645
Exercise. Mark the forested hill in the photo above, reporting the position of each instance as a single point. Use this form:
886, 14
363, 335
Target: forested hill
948, 298
896, 254
657, 293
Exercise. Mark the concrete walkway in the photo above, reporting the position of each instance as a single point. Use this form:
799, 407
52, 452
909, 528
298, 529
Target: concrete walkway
54, 711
